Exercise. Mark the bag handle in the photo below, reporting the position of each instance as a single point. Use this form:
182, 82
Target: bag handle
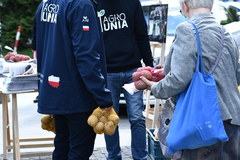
199, 58
220, 52
199, 65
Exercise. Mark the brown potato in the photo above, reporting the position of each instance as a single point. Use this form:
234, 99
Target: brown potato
17, 58
92, 120
109, 128
136, 76
44, 126
147, 74
98, 112
99, 128
103, 119
51, 124
106, 113
12, 58
6, 57
114, 119
46, 119
140, 85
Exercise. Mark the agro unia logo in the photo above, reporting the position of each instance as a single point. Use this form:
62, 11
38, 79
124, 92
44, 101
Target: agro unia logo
54, 81
113, 21
49, 12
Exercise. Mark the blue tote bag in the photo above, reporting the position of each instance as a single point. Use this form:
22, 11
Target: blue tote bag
197, 120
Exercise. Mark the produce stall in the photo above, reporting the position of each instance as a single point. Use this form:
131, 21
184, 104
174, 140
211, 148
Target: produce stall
18, 76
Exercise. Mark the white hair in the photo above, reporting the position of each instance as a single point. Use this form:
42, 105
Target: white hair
198, 3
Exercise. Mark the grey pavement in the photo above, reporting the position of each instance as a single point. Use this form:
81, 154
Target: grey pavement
29, 127
98, 154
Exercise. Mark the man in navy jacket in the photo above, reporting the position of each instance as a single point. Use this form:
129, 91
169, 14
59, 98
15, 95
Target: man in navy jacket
71, 64
126, 44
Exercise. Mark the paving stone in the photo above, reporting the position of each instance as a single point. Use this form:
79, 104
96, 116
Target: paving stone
98, 154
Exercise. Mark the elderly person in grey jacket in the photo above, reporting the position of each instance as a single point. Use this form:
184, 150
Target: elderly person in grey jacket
180, 65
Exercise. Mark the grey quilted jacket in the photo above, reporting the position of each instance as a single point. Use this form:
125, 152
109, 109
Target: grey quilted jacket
180, 64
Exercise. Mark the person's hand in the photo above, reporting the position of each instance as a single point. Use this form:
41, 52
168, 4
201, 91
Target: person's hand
149, 83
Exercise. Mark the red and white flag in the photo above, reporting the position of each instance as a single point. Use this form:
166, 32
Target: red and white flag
54, 81
85, 28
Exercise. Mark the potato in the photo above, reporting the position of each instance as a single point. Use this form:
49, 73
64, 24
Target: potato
140, 85
26, 58
92, 120
148, 68
103, 119
44, 126
112, 111
136, 76
146, 74
6, 57
17, 58
12, 58
158, 74
114, 119
106, 113
109, 128
99, 128
12, 53
46, 119
52, 124
98, 112
51, 129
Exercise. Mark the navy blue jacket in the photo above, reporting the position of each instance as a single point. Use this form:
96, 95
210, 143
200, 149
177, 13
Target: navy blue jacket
125, 34
71, 59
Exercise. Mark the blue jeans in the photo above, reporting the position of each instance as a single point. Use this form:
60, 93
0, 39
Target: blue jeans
134, 104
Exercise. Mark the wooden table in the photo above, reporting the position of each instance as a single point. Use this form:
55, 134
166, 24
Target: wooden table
13, 142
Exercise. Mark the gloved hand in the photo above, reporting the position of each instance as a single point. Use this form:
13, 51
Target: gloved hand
103, 121
47, 123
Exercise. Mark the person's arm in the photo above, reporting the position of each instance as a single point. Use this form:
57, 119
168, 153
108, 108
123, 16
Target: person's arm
87, 48
142, 35
182, 64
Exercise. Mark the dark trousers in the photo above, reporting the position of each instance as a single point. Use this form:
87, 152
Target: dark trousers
74, 137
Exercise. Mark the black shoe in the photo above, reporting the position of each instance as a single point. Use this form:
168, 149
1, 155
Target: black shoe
35, 100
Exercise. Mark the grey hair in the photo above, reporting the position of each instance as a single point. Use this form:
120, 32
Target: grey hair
198, 3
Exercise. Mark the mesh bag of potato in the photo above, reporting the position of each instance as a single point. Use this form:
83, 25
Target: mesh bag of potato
103, 121
47, 123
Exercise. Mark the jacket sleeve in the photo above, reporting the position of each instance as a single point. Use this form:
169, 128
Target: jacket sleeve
181, 61
238, 72
87, 49
142, 35
238, 66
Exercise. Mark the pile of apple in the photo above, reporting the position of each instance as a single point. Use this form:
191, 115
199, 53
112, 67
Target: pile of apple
152, 74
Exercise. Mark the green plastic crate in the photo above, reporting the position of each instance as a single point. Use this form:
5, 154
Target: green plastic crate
154, 150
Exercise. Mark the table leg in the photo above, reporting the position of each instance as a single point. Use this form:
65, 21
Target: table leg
156, 113
16, 145
5, 123
8, 127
